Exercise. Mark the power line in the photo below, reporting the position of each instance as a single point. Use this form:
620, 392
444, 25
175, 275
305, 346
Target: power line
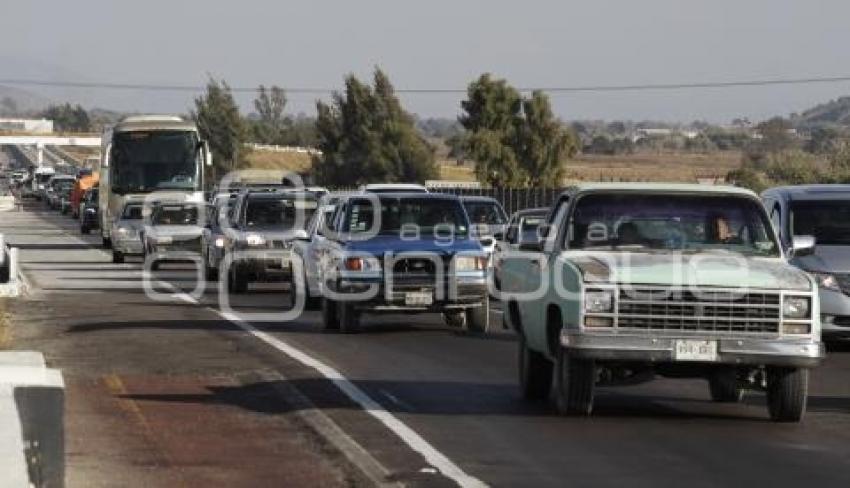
325, 91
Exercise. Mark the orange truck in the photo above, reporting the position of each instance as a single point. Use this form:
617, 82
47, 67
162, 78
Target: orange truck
80, 187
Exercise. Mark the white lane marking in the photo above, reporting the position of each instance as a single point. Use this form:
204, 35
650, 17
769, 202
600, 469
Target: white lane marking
434, 457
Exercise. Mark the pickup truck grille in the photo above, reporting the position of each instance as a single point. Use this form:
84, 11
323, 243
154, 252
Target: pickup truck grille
703, 311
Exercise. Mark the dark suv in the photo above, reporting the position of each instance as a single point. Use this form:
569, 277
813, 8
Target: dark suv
258, 241
402, 253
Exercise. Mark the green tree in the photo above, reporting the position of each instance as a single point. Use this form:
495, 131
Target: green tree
68, 118
220, 123
543, 143
491, 119
270, 104
366, 135
776, 135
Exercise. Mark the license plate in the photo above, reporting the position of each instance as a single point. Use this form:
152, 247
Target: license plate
418, 298
694, 350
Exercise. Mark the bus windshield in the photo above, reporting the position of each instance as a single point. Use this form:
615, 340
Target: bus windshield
155, 160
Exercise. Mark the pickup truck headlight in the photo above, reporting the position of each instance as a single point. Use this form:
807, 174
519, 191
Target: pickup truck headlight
826, 281
361, 264
255, 240
164, 240
124, 231
470, 263
598, 301
219, 242
795, 308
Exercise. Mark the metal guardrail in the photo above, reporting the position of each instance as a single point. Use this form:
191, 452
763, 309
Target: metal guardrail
9, 279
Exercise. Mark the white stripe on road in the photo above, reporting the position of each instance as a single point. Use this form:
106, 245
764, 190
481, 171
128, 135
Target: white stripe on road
434, 457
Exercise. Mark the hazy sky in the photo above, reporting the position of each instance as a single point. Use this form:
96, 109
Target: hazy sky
440, 44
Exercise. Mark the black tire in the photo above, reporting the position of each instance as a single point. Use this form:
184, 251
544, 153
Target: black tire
724, 386
575, 385
155, 266
117, 257
787, 391
349, 318
210, 273
535, 372
107, 243
330, 319
84, 229
455, 319
311, 302
478, 318
237, 282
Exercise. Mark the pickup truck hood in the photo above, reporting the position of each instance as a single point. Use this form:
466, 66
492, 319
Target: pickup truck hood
826, 259
380, 245
704, 269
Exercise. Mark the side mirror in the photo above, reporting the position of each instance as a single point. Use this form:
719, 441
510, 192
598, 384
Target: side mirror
802, 246
499, 236
301, 235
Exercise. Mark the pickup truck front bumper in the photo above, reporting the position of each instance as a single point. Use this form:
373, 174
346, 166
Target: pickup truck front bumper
800, 353
470, 292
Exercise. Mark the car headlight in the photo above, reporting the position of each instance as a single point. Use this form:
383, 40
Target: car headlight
124, 231
795, 308
470, 263
219, 242
826, 281
598, 301
255, 240
164, 240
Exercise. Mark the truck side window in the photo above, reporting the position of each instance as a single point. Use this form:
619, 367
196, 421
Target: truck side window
776, 219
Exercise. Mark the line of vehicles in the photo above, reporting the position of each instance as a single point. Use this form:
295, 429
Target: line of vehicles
613, 284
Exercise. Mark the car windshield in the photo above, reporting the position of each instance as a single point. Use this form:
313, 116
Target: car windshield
280, 213
689, 223
828, 221
132, 212
175, 215
489, 213
424, 216
155, 160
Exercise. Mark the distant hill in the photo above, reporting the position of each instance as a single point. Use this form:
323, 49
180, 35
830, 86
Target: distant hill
26, 101
834, 112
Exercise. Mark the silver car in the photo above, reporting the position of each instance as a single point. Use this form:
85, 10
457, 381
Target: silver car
308, 250
126, 232
172, 232
822, 212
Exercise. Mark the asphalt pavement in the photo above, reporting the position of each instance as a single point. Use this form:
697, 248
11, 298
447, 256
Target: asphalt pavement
172, 390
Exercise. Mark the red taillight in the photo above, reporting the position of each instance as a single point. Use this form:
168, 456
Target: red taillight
354, 264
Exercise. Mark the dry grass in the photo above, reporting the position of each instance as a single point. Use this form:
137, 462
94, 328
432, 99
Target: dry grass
284, 161
5, 327
678, 167
675, 167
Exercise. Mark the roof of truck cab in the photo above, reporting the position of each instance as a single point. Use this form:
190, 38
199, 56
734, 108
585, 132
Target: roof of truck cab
661, 188
811, 192
153, 122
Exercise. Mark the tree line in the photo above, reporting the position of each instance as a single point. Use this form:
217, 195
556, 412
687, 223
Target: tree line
365, 134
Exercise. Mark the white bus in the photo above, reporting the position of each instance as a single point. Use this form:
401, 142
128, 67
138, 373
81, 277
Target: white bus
145, 154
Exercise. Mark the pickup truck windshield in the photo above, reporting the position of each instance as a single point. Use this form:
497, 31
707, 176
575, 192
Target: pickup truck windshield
426, 216
689, 223
175, 215
828, 221
155, 160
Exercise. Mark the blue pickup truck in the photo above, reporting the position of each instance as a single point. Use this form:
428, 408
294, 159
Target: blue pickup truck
402, 253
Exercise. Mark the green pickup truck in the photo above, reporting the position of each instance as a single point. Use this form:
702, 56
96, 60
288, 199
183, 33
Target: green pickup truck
629, 281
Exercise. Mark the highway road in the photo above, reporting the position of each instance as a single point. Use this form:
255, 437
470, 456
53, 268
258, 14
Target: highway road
174, 392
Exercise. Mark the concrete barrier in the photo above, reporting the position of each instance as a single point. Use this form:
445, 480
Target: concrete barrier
32, 438
10, 283
7, 203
